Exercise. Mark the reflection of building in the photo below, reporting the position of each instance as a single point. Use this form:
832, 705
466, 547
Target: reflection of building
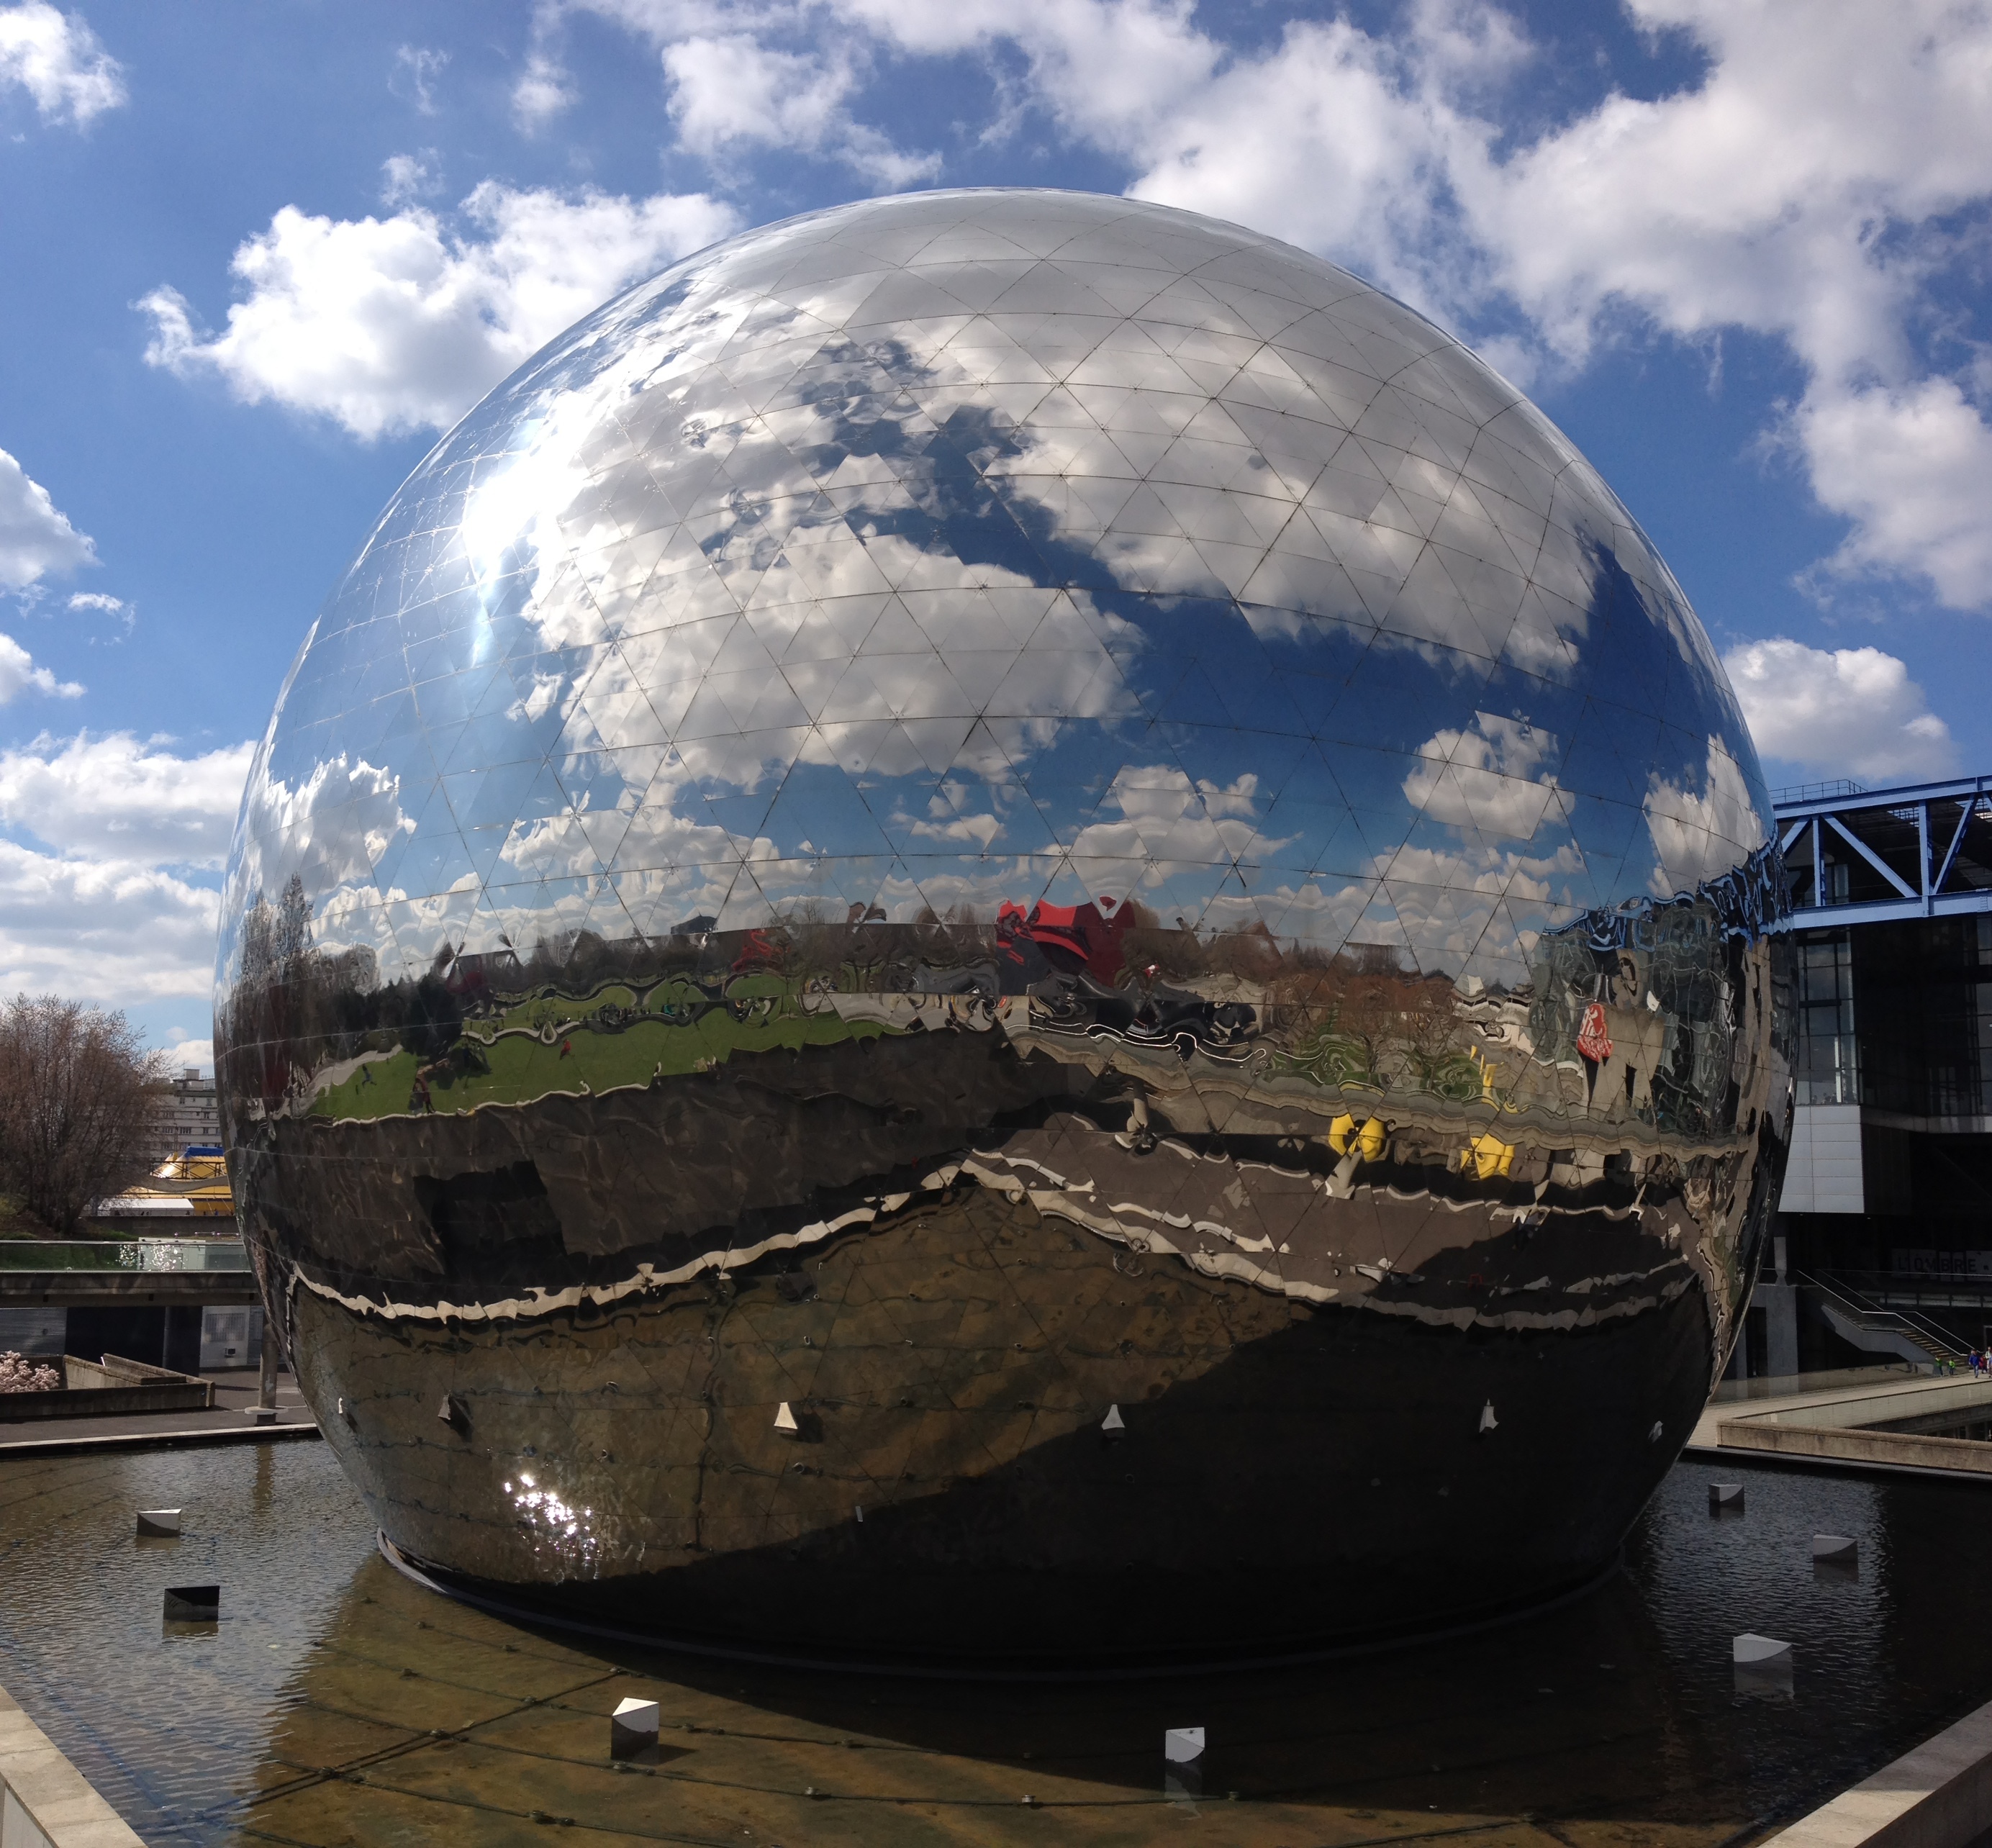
1005, 922
191, 1185
186, 1116
1887, 1207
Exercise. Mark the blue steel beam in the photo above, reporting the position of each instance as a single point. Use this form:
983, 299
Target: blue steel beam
1907, 805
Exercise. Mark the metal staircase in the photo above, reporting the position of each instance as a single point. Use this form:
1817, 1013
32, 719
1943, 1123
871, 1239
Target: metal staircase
1906, 1333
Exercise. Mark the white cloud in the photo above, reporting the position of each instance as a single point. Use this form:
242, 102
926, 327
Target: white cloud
405, 178
728, 90
116, 798
1908, 466
35, 535
1695, 837
1482, 779
1850, 710
544, 89
19, 674
102, 891
395, 324
110, 931
56, 59
1810, 185
1799, 190
331, 827
416, 69
195, 1055
1169, 825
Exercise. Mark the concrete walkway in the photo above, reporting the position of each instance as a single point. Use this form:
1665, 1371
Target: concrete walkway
1837, 1425
235, 1391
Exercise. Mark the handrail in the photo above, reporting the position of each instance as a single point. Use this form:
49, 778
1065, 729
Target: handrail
123, 1254
1912, 1283
1931, 1336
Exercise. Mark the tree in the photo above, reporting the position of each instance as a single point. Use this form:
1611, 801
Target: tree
76, 1096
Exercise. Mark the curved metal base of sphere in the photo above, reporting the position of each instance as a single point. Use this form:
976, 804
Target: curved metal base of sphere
504, 1602
1272, 1476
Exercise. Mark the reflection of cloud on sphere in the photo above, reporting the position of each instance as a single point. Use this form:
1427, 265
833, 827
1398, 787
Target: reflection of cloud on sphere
968, 809
773, 546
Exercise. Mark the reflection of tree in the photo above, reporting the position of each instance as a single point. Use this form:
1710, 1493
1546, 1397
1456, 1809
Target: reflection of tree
1360, 1020
289, 1002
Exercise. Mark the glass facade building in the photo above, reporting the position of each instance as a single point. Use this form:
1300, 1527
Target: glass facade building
992, 903
1885, 1220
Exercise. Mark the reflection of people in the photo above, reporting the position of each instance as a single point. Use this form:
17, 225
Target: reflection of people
1638, 1044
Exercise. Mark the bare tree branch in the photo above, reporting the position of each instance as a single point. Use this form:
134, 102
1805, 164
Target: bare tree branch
77, 1091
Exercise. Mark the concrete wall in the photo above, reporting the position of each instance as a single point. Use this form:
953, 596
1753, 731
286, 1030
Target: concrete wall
1824, 1173
1845, 1410
1780, 1305
1937, 1796
45, 1801
34, 1330
1837, 1426
1898, 1450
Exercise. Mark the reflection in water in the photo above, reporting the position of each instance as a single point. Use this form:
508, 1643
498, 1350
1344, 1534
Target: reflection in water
339, 1701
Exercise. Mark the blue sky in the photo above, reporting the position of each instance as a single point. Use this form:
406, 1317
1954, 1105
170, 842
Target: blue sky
253, 258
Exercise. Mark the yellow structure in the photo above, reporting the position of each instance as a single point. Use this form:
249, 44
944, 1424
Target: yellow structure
1487, 1157
184, 1186
1368, 1142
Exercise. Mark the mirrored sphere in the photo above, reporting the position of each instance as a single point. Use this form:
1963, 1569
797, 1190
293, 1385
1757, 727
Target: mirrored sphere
1005, 925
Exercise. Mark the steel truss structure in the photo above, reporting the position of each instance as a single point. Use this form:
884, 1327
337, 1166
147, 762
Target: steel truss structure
1876, 856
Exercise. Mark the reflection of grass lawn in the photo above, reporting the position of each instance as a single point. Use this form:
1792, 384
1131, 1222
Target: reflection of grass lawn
522, 1069
557, 1008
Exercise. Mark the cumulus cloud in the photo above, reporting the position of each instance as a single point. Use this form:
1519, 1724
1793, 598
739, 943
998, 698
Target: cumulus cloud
113, 931
1800, 189
1908, 465
56, 59
544, 89
729, 91
1844, 710
1483, 778
1697, 835
1808, 185
1169, 824
36, 537
393, 324
105, 878
19, 674
189, 1054
116, 797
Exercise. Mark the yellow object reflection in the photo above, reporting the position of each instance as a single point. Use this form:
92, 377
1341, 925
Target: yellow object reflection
1487, 1157
1368, 1142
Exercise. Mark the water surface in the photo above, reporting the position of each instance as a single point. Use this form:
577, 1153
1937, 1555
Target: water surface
337, 1703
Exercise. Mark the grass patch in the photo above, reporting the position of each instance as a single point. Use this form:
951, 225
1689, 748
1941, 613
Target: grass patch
521, 1069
